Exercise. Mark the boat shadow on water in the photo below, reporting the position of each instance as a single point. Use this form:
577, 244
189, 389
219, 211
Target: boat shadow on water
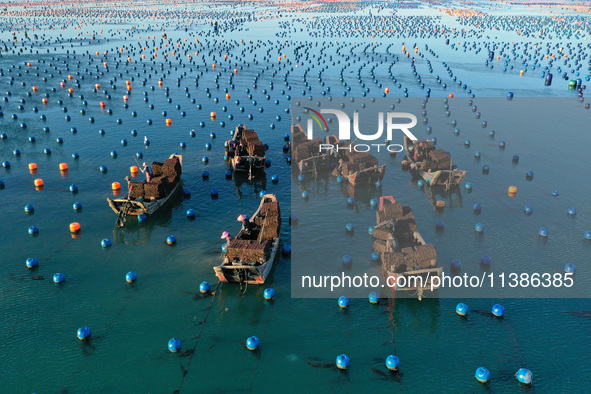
258, 182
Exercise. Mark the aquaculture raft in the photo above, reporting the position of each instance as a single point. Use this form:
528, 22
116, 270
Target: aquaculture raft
433, 165
250, 156
359, 168
249, 257
307, 153
148, 197
403, 250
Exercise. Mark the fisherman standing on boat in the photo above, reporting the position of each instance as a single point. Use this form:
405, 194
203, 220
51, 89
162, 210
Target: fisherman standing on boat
246, 224
147, 170
227, 236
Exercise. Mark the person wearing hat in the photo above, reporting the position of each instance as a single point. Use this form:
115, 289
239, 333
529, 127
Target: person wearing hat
246, 224
147, 170
226, 235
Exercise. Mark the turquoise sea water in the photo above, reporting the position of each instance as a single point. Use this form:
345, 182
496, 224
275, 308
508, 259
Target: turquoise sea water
300, 338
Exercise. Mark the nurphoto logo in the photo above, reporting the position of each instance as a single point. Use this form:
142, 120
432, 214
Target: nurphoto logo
392, 123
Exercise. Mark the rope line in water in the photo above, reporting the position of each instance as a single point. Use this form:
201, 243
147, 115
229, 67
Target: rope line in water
204, 321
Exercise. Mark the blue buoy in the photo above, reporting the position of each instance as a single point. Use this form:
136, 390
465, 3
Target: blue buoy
343, 361
461, 309
130, 277
224, 248
374, 298
344, 302
485, 169
139, 155
482, 375
498, 310
171, 240
286, 250
29, 208
33, 230
373, 202
269, 294
485, 260
205, 159
141, 217
529, 175
59, 277
378, 184
301, 177
347, 260
349, 227
477, 207
174, 345
375, 257
420, 183
253, 343
105, 243
479, 227
570, 268
477, 154
528, 209
186, 192
572, 211
339, 179
204, 287
190, 213
205, 174
84, 333
587, 235
468, 186
114, 153
555, 193
274, 178
183, 144
543, 232
370, 230
103, 168
32, 262
392, 363
305, 194
456, 264
467, 143
350, 201
73, 188
524, 376
262, 193
515, 158
75, 155
214, 193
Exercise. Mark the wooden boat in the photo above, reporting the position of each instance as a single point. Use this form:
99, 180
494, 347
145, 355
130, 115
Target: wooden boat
435, 175
307, 153
360, 168
245, 151
403, 251
135, 203
248, 258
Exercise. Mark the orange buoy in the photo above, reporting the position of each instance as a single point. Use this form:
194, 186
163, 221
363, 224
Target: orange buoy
521, 72
125, 98
97, 86
235, 71
512, 189
213, 115
168, 122
71, 90
34, 88
159, 83
44, 100
32, 166
63, 166
74, 227
213, 66
227, 96
70, 77
115, 186
133, 170
451, 95
103, 104
387, 90
38, 182
440, 203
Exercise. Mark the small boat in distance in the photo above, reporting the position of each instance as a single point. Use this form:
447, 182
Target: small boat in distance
307, 154
245, 151
359, 168
431, 164
148, 197
248, 258
406, 258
